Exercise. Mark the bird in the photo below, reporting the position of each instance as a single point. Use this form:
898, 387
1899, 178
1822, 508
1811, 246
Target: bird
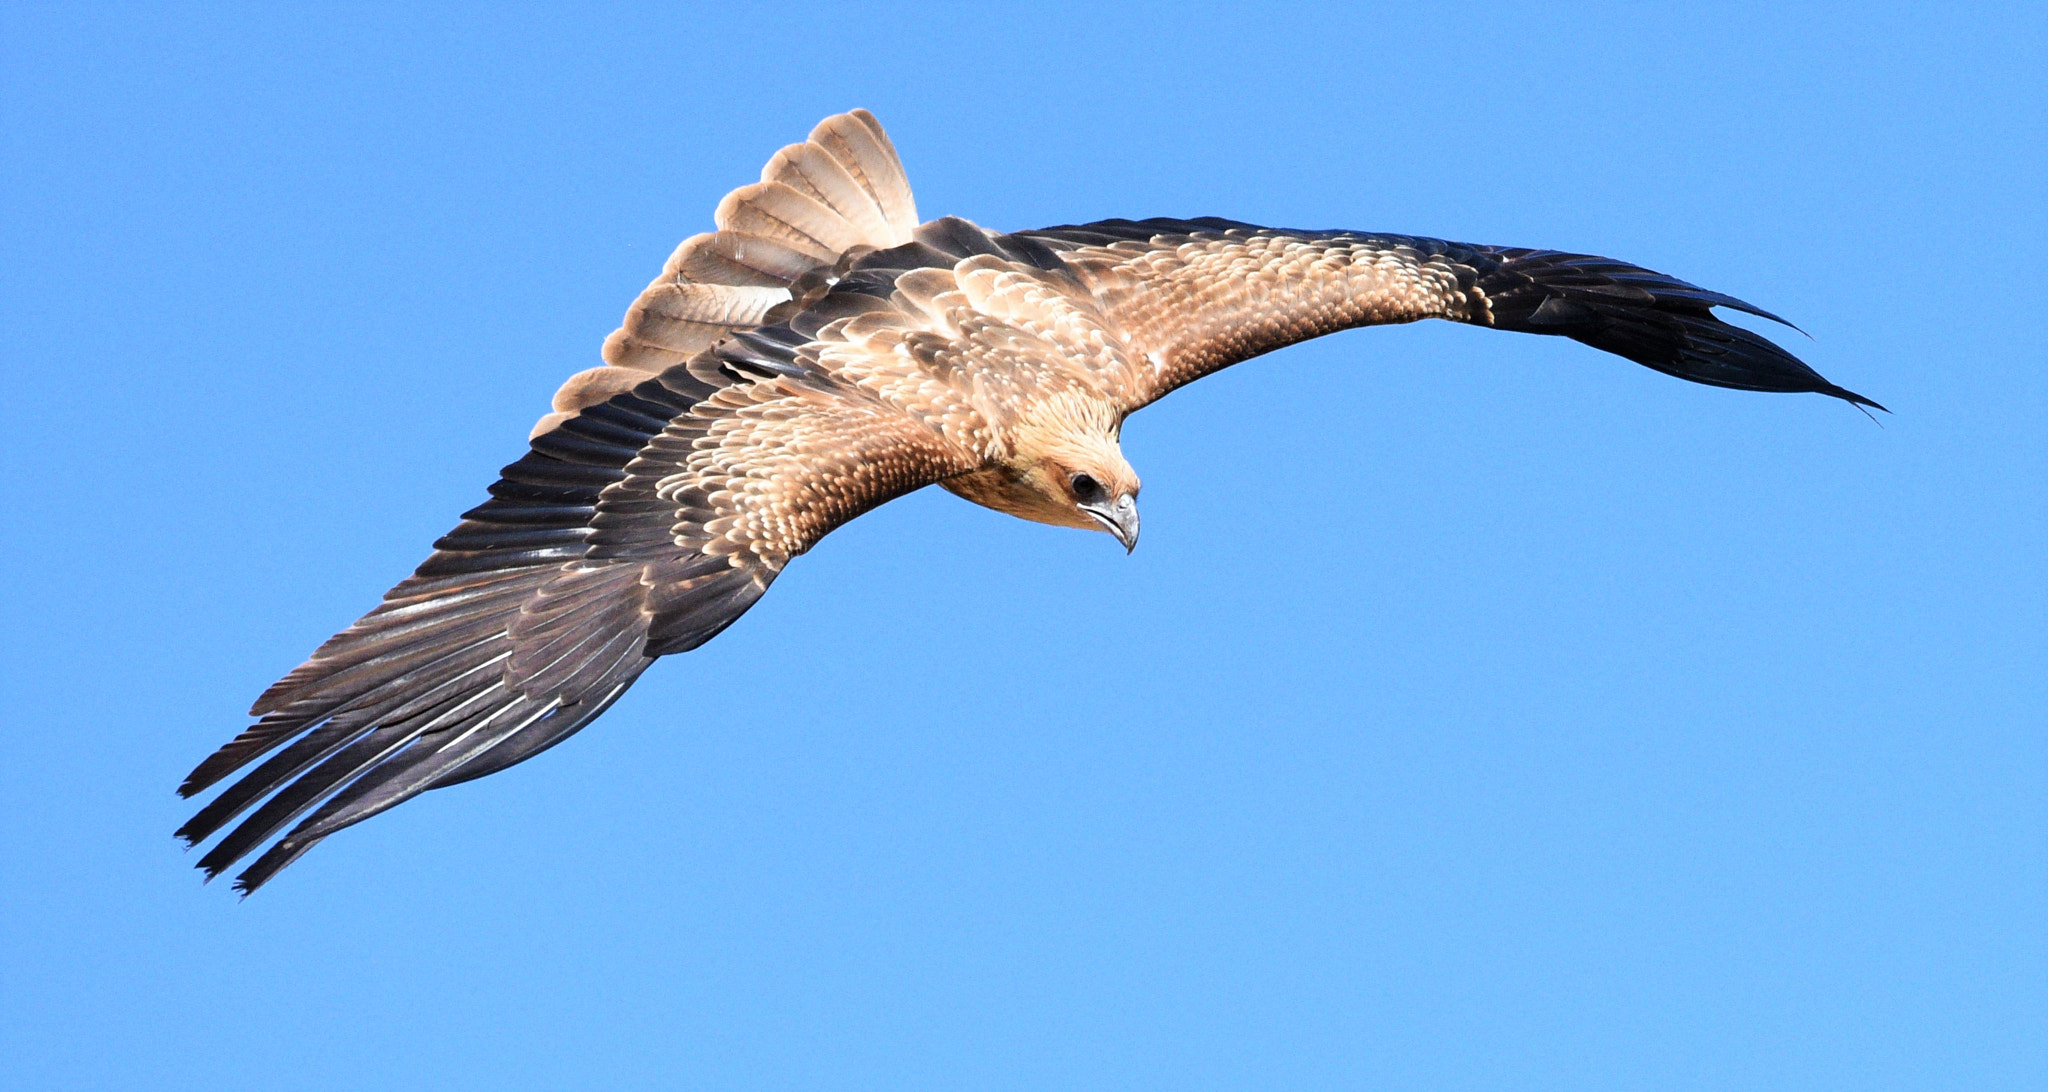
820, 353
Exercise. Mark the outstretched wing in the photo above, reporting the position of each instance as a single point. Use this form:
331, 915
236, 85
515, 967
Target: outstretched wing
840, 193
640, 526
657, 504
1195, 296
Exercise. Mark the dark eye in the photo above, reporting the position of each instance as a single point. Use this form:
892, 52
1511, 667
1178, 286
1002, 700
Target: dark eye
1085, 487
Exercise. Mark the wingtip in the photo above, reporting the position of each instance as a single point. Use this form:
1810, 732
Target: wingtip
273, 861
191, 834
213, 870
1862, 404
1854, 399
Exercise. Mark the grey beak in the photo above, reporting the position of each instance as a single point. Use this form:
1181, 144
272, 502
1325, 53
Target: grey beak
1119, 518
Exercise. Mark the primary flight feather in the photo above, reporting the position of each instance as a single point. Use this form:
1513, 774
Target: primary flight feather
819, 354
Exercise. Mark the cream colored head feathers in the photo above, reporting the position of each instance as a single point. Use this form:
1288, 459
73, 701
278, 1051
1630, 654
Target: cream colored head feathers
1064, 468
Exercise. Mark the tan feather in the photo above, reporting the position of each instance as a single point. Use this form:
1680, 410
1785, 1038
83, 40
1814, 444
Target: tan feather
625, 351
735, 258
689, 318
857, 141
780, 212
588, 388
672, 322
811, 170
548, 423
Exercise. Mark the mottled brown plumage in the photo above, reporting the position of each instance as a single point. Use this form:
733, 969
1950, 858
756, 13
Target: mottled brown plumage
820, 354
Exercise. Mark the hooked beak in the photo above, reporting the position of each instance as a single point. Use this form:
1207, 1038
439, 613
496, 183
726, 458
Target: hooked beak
1119, 518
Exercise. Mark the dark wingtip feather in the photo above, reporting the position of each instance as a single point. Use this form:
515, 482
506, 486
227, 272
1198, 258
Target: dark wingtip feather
232, 756
1655, 320
270, 864
188, 835
1853, 398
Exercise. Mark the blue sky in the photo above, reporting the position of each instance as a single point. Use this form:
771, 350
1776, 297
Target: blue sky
1478, 712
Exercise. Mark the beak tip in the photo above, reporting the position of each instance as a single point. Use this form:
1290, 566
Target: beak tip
1121, 522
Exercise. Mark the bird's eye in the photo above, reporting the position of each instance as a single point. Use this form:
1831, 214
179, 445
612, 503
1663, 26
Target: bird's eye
1085, 487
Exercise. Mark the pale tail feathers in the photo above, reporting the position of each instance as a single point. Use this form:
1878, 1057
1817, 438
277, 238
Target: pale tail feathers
840, 191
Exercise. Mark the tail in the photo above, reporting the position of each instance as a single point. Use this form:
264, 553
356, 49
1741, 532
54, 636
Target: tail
840, 191
1655, 320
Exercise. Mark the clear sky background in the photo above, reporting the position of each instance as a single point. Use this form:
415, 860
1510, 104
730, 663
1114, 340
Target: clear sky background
1479, 711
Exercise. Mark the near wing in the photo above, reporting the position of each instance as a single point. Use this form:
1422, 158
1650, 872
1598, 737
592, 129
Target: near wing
659, 501
641, 526
1196, 296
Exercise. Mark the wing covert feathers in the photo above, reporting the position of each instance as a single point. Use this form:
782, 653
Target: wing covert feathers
843, 190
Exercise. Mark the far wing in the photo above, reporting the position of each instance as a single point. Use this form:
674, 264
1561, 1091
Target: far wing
1195, 296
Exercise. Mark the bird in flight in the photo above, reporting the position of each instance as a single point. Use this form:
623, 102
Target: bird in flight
820, 353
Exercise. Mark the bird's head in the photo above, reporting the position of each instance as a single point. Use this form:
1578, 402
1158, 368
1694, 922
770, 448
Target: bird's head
1072, 459
1065, 468
1103, 494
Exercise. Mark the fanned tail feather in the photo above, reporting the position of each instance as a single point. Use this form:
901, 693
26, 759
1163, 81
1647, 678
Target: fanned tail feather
843, 190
